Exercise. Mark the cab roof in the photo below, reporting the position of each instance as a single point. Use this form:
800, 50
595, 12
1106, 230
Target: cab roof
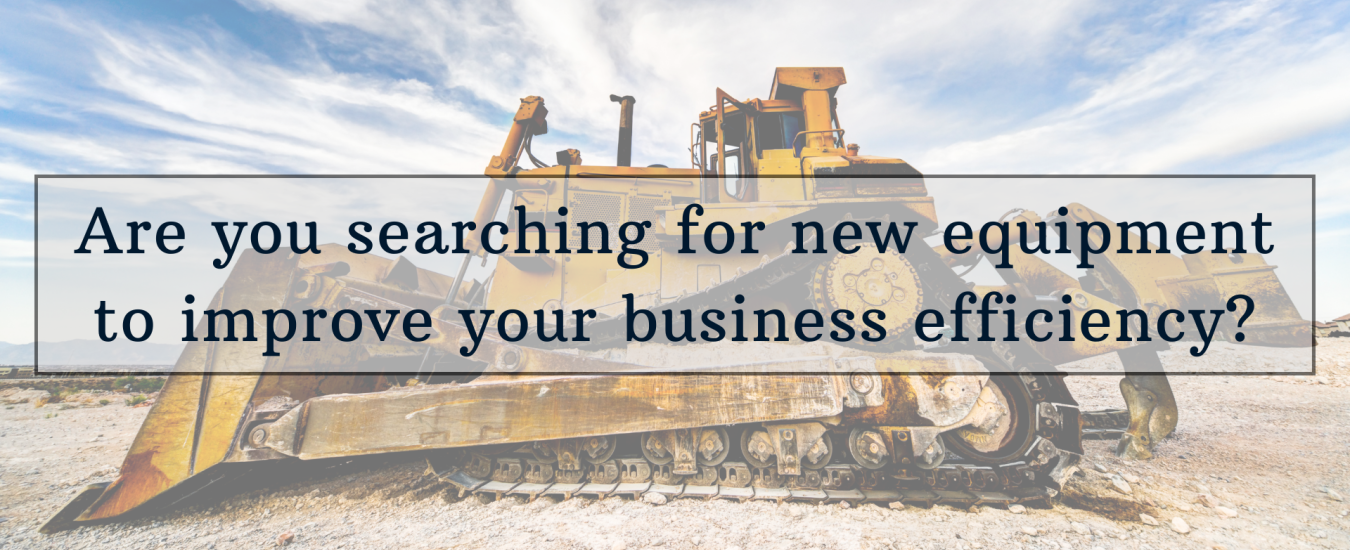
790, 82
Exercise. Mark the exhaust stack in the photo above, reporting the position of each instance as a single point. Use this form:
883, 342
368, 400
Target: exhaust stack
625, 128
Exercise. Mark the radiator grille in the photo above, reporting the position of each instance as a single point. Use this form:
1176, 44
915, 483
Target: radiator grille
643, 209
594, 207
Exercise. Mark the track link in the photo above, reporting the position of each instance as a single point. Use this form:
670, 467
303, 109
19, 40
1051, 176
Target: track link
961, 485
957, 481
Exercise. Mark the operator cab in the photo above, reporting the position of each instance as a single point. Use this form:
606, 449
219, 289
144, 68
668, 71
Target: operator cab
750, 136
741, 149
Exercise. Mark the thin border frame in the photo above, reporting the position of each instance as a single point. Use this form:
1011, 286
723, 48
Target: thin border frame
37, 177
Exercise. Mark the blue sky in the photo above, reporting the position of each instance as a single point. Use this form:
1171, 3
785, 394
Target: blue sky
423, 87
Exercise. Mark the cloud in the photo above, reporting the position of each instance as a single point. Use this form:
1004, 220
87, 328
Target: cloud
1246, 79
314, 121
16, 248
1124, 92
672, 56
181, 102
428, 87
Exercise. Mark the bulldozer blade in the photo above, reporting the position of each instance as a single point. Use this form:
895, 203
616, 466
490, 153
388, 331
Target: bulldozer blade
1274, 321
1159, 281
65, 519
1152, 407
193, 424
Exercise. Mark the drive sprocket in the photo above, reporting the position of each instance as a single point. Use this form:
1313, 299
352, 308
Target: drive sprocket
870, 280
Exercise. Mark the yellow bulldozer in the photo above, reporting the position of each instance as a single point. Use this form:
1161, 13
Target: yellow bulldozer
768, 414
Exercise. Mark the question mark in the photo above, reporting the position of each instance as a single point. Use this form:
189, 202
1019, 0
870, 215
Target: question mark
1232, 306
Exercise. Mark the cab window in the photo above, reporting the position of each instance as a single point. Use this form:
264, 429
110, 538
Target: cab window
733, 181
776, 130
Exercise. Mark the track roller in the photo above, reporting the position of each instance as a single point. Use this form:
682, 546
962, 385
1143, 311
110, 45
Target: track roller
868, 448
598, 449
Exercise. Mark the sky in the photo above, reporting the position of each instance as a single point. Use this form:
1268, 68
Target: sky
1070, 87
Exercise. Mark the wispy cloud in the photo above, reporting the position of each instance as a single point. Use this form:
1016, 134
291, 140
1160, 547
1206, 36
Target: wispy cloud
672, 55
16, 248
1177, 87
421, 86
186, 104
1248, 77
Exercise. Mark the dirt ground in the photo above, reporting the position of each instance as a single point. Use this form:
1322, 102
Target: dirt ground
1256, 462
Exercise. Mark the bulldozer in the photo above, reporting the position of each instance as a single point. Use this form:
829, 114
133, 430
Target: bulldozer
886, 419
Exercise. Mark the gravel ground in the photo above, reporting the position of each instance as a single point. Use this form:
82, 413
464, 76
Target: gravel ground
1257, 462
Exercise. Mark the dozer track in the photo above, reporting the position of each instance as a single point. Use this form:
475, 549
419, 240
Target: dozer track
961, 485
1031, 477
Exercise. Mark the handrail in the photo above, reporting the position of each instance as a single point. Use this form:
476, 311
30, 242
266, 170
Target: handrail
693, 158
837, 141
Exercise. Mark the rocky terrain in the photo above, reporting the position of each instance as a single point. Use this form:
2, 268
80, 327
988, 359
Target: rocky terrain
1256, 462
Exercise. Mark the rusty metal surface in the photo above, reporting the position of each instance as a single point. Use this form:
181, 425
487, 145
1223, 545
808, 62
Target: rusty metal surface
66, 517
161, 454
548, 408
945, 400
193, 423
1138, 440
1151, 406
919, 399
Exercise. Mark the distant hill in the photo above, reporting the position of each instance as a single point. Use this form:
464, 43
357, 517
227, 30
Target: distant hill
91, 352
